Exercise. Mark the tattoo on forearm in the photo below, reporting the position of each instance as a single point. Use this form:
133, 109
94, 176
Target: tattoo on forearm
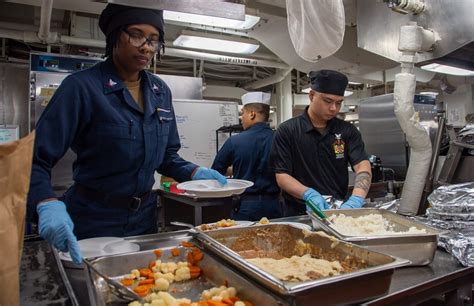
362, 181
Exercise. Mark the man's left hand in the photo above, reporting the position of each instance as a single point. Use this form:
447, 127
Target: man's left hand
203, 173
353, 202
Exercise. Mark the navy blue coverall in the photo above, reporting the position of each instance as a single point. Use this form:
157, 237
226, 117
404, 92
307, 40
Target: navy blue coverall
118, 149
248, 154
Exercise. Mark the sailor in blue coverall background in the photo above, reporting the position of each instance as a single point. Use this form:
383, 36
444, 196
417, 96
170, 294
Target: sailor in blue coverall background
119, 120
248, 154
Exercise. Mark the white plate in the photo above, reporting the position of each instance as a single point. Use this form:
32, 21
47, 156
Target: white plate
213, 189
101, 246
238, 224
295, 224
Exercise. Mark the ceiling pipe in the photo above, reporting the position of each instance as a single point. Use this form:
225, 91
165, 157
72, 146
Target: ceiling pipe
412, 39
226, 59
32, 37
276, 78
78, 41
44, 33
18, 26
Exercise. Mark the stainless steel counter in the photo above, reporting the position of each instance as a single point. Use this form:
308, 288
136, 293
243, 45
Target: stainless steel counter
40, 277
444, 276
42, 283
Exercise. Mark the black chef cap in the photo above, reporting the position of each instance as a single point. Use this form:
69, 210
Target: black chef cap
114, 16
329, 82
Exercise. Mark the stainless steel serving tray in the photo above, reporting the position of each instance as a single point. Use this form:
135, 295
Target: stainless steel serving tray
340, 289
418, 248
215, 272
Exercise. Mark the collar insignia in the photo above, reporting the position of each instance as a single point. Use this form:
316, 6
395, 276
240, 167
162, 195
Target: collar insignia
111, 83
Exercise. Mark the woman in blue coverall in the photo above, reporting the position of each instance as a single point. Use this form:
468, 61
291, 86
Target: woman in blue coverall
119, 120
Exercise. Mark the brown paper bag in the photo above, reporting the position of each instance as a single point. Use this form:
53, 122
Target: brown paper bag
15, 170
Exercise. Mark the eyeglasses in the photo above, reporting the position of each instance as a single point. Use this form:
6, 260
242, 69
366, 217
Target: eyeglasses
138, 40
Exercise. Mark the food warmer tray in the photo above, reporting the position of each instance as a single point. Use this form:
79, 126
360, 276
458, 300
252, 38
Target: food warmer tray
281, 238
418, 248
214, 271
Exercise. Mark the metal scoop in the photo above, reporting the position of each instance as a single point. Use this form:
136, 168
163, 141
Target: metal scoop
115, 287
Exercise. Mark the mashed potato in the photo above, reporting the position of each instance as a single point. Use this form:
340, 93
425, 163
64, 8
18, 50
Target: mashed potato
298, 268
372, 224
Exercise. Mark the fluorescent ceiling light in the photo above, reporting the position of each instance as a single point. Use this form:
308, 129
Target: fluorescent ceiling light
355, 83
447, 69
249, 21
216, 42
346, 92
429, 93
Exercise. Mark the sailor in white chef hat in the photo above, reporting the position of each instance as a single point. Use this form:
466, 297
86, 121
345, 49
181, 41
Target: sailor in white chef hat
248, 154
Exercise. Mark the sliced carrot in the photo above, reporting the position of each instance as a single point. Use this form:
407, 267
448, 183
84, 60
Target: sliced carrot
194, 269
247, 303
142, 294
157, 253
203, 303
127, 281
187, 244
175, 252
197, 255
215, 303
151, 264
142, 290
145, 272
146, 281
190, 258
184, 304
230, 301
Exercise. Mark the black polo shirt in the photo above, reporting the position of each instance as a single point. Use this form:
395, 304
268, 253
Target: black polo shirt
315, 160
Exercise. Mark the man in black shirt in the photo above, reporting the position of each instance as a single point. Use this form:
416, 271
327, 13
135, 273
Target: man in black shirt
311, 152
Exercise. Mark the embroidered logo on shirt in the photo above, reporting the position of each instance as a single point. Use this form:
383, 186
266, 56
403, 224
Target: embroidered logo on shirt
155, 88
111, 83
338, 146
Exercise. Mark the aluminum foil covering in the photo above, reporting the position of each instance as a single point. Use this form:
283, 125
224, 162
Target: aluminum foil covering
458, 198
460, 244
458, 239
449, 224
390, 206
441, 215
452, 208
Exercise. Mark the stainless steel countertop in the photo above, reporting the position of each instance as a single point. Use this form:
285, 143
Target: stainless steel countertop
41, 281
40, 278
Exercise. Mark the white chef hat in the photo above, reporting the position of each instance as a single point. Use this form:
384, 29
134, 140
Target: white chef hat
256, 97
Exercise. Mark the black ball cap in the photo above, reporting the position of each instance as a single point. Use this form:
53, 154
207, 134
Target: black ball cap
114, 16
329, 82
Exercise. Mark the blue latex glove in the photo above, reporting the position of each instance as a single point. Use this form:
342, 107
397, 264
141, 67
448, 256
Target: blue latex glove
203, 173
312, 195
56, 227
353, 202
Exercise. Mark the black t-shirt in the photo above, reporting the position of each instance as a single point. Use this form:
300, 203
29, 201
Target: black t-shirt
315, 160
